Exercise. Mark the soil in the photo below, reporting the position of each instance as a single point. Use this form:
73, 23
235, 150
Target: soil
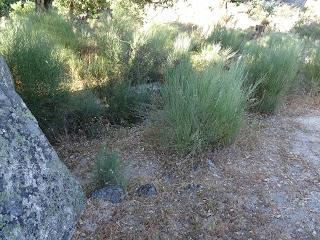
266, 185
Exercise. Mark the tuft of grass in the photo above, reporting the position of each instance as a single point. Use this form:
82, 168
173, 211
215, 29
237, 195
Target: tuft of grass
311, 69
202, 108
123, 104
272, 66
229, 38
37, 71
107, 168
152, 53
211, 54
309, 30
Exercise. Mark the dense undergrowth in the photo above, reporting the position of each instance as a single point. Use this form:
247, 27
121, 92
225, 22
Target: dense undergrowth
77, 76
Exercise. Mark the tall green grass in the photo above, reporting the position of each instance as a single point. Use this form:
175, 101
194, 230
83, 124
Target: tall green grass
272, 66
311, 69
152, 53
37, 71
229, 38
61, 69
308, 29
202, 108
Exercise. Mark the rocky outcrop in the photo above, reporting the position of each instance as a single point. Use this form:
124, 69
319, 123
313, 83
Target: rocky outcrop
39, 199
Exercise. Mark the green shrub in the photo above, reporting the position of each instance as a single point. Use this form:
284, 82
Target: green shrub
5, 7
229, 38
308, 29
84, 114
202, 108
152, 54
107, 168
211, 54
37, 71
124, 104
312, 69
272, 65
39, 58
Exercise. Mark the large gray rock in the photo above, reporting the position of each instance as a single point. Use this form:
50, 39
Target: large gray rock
39, 199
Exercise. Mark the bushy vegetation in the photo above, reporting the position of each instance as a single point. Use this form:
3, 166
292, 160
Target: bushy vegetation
202, 107
308, 29
78, 75
229, 38
51, 58
107, 168
5, 7
152, 53
37, 70
311, 69
272, 65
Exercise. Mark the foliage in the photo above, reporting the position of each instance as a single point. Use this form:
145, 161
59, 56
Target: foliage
202, 108
94, 7
84, 114
152, 54
38, 83
107, 168
272, 65
5, 7
90, 7
42, 57
124, 103
261, 9
312, 69
308, 29
229, 38
211, 54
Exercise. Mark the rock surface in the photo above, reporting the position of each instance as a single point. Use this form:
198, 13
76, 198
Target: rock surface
39, 199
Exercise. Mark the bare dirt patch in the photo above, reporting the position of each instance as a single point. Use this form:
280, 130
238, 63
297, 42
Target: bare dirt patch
264, 186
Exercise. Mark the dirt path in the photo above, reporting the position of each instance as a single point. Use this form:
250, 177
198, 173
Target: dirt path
264, 186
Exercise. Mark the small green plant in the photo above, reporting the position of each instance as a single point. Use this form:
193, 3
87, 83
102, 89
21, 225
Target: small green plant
202, 108
107, 168
229, 38
272, 66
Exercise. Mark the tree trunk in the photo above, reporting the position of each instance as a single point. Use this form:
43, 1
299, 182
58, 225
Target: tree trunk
43, 5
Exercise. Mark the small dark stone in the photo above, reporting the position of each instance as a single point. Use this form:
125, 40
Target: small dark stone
114, 194
147, 190
192, 187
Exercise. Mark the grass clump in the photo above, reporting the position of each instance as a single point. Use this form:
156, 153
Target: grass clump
311, 69
37, 71
229, 38
124, 104
152, 53
107, 168
309, 30
202, 108
272, 66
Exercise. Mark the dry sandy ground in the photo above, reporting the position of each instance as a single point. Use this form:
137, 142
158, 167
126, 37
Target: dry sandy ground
264, 186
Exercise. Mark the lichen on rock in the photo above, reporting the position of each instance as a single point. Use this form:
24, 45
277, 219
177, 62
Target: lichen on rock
39, 199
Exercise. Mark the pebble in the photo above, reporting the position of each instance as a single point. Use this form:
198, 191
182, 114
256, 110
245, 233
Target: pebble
114, 194
147, 190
